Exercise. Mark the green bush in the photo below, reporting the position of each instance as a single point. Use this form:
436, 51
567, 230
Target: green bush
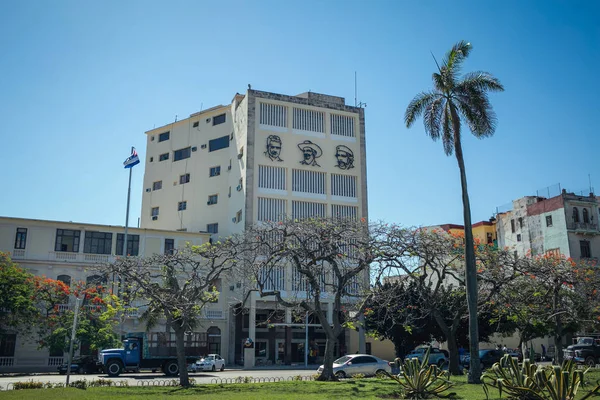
532, 382
100, 382
420, 381
358, 376
79, 384
28, 385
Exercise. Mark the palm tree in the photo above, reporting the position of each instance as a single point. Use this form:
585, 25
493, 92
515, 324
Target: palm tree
454, 97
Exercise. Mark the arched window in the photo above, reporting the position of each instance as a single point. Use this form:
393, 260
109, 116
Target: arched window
66, 279
575, 214
214, 340
586, 217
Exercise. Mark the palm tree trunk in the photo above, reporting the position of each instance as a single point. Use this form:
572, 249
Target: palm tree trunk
470, 271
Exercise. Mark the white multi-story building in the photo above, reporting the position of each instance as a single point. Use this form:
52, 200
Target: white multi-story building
261, 158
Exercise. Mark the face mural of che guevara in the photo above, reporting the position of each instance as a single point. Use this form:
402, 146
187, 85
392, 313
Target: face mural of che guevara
345, 157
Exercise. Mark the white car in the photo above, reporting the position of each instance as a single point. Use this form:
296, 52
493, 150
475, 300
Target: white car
212, 362
353, 364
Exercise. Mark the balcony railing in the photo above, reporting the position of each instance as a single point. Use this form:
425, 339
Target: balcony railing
18, 253
213, 314
55, 361
63, 307
582, 227
80, 257
7, 361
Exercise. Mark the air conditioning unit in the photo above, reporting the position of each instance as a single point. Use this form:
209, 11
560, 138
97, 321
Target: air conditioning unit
154, 217
238, 188
207, 120
229, 168
203, 146
240, 156
194, 148
148, 190
195, 125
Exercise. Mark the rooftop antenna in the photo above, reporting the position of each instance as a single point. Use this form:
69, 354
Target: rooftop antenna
590, 182
356, 103
175, 117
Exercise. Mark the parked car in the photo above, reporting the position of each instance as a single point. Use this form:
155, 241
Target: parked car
436, 356
358, 364
487, 358
585, 351
212, 362
82, 365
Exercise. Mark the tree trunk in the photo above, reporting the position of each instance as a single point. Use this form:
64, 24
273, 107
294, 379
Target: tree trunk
454, 366
327, 374
470, 270
558, 327
181, 360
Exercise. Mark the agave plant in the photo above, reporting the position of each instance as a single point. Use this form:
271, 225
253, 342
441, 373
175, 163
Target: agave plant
419, 380
532, 382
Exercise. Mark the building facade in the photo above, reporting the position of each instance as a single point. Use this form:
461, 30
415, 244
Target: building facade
565, 224
264, 157
70, 252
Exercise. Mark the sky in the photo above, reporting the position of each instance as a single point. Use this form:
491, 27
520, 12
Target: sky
81, 81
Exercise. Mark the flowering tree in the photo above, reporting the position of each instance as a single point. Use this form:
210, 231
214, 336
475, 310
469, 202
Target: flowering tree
16, 296
328, 260
175, 287
97, 314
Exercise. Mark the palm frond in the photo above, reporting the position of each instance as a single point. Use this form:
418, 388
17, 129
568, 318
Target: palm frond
439, 82
456, 55
481, 80
417, 106
432, 120
447, 131
475, 106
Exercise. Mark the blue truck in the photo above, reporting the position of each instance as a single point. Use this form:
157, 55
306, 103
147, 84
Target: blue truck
153, 351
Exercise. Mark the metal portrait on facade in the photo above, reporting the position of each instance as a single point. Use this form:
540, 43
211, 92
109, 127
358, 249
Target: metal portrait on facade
310, 153
273, 148
344, 156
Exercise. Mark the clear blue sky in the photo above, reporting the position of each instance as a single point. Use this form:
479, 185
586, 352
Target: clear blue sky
80, 82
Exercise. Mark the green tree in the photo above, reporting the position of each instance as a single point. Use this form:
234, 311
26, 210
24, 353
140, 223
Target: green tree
16, 296
454, 97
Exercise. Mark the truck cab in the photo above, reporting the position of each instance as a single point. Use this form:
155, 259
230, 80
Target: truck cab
116, 361
586, 350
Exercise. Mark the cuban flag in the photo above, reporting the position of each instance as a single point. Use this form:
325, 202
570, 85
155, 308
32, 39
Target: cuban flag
132, 159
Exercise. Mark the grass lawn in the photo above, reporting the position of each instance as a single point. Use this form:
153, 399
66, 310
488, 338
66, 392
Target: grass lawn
349, 389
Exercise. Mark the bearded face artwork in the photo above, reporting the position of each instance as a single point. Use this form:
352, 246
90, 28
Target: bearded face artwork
344, 157
310, 153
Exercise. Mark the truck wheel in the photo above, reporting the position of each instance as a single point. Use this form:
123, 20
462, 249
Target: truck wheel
590, 362
171, 368
114, 368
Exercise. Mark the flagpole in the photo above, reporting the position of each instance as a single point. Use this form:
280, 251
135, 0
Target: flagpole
127, 212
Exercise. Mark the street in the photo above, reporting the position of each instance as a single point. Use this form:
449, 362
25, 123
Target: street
147, 378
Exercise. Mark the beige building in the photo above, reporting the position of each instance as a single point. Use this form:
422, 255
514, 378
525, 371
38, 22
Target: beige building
69, 251
260, 158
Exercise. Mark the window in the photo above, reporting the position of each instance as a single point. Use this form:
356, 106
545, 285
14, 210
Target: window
575, 214
157, 185
214, 340
133, 244
67, 240
271, 209
154, 211
490, 238
195, 124
7, 344
182, 205
271, 177
169, 246
97, 242
309, 120
342, 125
548, 220
163, 136
184, 179
218, 144
343, 185
512, 225
219, 119
273, 115
66, 279
586, 216
584, 247
520, 222
151, 159
305, 209
238, 217
515, 254
163, 157
338, 211
308, 181
212, 199
182, 154
260, 349
212, 228
21, 238
272, 277
518, 237
215, 171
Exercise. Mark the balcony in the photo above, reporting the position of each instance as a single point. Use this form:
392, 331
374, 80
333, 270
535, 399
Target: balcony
55, 361
18, 254
583, 227
67, 256
7, 361
213, 314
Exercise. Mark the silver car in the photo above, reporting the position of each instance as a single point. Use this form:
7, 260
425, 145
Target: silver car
353, 364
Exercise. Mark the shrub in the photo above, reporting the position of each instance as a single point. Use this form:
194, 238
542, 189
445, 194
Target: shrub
532, 382
79, 384
358, 376
420, 381
100, 382
28, 385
